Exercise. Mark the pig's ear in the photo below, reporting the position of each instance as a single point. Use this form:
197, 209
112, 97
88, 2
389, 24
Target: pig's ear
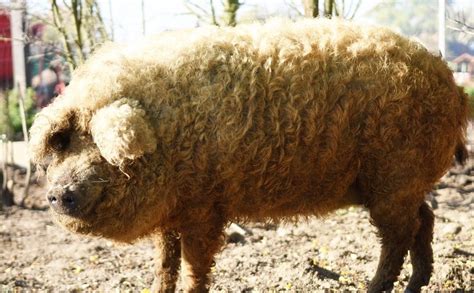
122, 131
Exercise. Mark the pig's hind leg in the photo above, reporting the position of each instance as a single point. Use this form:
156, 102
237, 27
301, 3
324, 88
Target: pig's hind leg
397, 219
199, 244
421, 252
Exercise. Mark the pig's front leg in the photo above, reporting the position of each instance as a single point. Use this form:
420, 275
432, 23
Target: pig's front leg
167, 261
198, 247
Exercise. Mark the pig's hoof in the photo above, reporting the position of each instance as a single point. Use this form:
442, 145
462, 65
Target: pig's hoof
160, 287
385, 287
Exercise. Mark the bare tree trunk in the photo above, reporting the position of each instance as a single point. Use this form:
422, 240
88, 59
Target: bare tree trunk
87, 21
93, 24
59, 24
311, 8
100, 24
328, 8
230, 10
76, 7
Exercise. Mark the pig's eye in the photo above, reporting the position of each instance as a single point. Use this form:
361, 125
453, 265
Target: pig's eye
60, 141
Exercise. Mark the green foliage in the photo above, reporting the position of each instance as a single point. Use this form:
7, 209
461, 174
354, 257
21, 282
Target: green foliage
411, 18
470, 93
5, 127
10, 118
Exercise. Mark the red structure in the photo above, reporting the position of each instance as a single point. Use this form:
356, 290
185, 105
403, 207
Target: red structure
6, 65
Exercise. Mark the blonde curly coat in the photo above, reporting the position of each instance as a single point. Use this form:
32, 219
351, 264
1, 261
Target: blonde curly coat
194, 129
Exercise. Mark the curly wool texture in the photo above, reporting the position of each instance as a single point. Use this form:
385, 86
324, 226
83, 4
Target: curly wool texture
122, 119
183, 133
268, 121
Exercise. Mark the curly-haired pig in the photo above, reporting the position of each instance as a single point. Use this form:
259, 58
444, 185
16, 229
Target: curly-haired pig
177, 136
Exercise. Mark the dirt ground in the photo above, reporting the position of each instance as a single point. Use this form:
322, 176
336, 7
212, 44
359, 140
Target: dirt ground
339, 252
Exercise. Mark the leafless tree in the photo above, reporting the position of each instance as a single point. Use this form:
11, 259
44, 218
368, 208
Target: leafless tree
460, 23
207, 14
311, 8
84, 30
341, 8
230, 12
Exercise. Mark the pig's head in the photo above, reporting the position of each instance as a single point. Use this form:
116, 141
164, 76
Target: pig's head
100, 182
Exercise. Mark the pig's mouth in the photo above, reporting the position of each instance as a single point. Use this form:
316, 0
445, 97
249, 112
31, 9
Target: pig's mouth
82, 220
75, 202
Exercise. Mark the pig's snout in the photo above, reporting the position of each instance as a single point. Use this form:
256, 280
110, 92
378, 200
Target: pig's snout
65, 200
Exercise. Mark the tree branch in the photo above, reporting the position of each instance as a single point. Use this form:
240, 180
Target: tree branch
354, 12
293, 7
76, 7
460, 25
59, 25
213, 13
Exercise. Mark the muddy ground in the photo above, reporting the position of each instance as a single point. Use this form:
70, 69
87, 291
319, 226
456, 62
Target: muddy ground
337, 252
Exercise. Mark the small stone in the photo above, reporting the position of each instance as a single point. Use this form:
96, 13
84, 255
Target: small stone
468, 188
451, 229
237, 233
21, 283
444, 192
449, 196
281, 231
235, 238
461, 180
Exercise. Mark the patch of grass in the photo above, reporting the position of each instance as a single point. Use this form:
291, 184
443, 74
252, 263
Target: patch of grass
470, 102
10, 119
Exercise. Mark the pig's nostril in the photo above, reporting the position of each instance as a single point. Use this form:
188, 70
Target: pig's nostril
52, 199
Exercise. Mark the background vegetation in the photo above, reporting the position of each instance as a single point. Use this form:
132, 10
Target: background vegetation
10, 117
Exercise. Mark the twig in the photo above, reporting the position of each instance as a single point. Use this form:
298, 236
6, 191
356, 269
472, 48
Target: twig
112, 32
462, 25
188, 4
198, 16
213, 13
465, 30
90, 28
355, 9
201, 13
67, 5
21, 102
293, 7
77, 16
103, 33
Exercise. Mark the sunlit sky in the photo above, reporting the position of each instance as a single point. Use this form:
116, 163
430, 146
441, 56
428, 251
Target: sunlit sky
161, 15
